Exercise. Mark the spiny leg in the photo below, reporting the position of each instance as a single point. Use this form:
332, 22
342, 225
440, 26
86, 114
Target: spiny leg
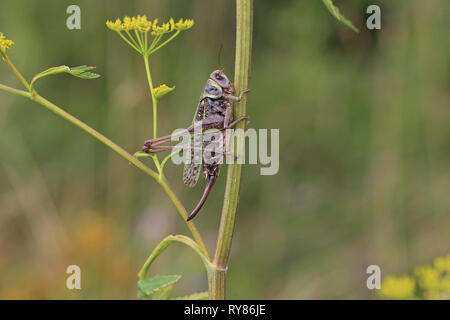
205, 124
158, 148
163, 139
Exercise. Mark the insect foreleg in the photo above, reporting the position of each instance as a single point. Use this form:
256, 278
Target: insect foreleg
234, 98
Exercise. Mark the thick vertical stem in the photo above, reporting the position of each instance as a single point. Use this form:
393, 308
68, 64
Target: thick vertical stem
244, 24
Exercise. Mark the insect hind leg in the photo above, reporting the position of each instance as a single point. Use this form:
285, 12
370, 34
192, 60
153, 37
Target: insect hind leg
205, 125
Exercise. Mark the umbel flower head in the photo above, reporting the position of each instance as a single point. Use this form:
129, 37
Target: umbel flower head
5, 43
135, 32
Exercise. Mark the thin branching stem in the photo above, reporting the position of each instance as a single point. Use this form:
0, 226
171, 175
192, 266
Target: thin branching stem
134, 45
14, 69
166, 42
154, 100
22, 93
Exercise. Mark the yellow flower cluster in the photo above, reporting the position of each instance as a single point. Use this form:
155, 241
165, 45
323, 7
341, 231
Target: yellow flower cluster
141, 23
435, 280
398, 287
443, 264
181, 24
5, 43
428, 282
427, 277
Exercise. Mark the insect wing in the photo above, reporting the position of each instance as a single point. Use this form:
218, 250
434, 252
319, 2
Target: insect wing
191, 171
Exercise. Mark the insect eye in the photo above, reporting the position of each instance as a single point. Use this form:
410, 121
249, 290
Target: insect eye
219, 77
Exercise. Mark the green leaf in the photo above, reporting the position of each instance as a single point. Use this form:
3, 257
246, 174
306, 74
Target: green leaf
83, 72
195, 296
148, 286
162, 90
163, 294
80, 72
335, 12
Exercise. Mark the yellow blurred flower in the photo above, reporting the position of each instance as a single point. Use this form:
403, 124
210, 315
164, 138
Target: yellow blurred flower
427, 277
398, 287
442, 263
445, 284
428, 282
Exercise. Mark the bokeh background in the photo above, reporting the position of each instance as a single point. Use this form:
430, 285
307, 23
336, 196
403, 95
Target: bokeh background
364, 149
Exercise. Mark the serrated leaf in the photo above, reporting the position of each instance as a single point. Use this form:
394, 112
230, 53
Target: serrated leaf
149, 286
195, 296
337, 14
163, 294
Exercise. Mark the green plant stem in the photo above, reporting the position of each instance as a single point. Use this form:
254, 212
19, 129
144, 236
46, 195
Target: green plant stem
154, 100
244, 23
134, 45
164, 244
65, 115
165, 42
13, 68
22, 93
182, 210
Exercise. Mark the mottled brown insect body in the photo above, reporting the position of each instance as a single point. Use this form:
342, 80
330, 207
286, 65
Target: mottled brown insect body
213, 112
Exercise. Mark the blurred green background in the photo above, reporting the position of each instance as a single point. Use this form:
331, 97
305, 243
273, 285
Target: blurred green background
364, 149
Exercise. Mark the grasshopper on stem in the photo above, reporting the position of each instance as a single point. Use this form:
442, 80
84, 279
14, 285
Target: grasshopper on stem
213, 112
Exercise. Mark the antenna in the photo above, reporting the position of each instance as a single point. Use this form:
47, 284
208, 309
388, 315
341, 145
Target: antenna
219, 56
